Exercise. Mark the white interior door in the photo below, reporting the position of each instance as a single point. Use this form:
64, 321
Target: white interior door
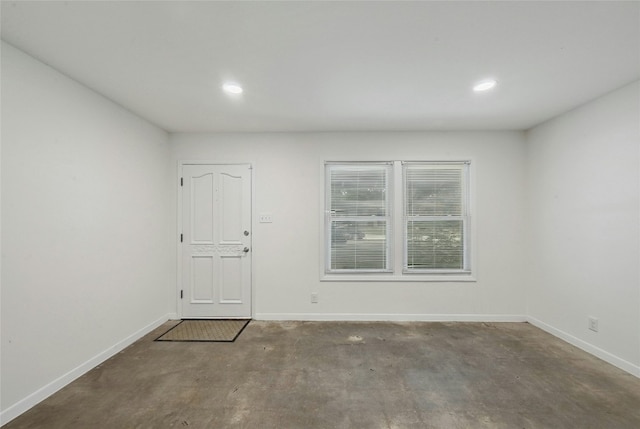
216, 241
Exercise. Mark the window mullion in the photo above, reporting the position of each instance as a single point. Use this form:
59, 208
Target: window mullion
399, 236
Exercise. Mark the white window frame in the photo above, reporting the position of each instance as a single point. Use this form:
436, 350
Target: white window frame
464, 217
397, 242
388, 218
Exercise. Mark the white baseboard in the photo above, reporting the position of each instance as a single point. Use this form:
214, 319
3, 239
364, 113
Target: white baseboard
587, 347
41, 394
390, 317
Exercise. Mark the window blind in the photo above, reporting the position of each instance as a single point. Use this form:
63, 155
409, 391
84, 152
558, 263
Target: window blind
358, 217
436, 217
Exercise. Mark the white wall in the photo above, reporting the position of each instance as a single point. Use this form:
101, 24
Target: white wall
583, 226
84, 229
288, 176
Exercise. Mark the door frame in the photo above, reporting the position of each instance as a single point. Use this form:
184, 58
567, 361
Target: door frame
178, 231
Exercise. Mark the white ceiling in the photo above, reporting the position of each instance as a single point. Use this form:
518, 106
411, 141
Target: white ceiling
336, 66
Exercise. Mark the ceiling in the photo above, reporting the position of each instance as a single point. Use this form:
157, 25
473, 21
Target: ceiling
336, 66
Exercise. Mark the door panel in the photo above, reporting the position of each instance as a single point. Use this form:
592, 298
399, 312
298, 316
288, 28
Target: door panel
202, 206
231, 210
201, 279
216, 256
230, 279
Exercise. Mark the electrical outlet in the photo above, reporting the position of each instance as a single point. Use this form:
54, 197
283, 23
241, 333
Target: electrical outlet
593, 324
314, 297
265, 218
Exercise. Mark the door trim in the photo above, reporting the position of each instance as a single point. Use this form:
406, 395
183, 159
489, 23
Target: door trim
178, 231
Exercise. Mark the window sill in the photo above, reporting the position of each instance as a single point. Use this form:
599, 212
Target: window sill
381, 277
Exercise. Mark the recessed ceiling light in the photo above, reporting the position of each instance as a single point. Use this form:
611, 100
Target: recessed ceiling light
485, 85
232, 88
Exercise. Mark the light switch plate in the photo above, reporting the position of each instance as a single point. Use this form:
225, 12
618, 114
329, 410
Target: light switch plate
265, 218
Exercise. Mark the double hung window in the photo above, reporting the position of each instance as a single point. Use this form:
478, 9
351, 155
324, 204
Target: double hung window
398, 220
358, 221
436, 217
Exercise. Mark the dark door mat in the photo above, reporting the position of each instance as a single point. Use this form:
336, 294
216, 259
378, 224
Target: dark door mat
217, 330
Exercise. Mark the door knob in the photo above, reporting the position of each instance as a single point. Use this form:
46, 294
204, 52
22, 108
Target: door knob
245, 250
246, 233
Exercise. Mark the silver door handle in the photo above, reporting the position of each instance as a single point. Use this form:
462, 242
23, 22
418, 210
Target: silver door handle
245, 250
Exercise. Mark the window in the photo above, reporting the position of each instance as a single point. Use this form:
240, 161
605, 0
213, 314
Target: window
435, 217
412, 228
358, 217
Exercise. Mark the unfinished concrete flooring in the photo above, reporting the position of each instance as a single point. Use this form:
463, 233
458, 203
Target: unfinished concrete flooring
350, 375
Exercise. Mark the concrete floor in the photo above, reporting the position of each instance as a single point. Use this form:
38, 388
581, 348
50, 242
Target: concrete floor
350, 375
